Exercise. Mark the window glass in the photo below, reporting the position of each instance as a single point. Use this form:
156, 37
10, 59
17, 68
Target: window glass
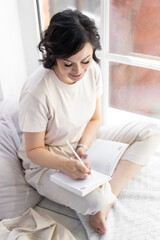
135, 89
133, 30
134, 27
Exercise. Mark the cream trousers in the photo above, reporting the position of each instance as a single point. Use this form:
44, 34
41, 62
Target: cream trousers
142, 137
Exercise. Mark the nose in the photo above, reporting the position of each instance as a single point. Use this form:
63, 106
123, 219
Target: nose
77, 69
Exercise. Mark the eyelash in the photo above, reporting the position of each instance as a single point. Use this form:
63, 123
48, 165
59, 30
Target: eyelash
69, 65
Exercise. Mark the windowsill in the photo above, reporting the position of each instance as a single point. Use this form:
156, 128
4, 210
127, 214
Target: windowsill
116, 116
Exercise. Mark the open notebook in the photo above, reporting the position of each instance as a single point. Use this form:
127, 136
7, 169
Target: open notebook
103, 156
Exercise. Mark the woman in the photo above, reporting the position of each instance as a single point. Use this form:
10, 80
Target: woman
62, 100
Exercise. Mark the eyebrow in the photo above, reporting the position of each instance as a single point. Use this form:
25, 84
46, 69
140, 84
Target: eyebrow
81, 60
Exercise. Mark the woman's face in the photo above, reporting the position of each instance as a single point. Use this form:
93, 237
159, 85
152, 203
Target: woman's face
73, 69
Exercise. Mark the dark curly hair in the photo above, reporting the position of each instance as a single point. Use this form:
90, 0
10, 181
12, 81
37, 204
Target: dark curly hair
66, 35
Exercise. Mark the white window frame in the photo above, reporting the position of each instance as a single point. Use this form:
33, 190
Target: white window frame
110, 115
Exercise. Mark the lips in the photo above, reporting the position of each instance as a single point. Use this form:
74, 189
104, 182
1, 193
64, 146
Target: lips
76, 76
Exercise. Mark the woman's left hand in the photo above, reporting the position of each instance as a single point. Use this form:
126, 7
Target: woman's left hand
81, 151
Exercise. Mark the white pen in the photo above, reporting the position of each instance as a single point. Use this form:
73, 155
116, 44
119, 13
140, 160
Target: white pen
73, 151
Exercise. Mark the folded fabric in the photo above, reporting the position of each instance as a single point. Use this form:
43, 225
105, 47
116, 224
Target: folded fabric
33, 226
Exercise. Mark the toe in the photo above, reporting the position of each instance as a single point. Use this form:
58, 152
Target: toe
101, 230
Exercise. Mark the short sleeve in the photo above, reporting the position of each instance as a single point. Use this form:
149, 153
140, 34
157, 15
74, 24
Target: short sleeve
32, 114
98, 78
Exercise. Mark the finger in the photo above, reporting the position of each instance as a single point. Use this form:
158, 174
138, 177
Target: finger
83, 176
82, 167
87, 164
84, 155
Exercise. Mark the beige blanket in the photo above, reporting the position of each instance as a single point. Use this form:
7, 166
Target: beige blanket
33, 226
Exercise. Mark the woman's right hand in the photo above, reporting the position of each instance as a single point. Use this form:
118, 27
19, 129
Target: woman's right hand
75, 169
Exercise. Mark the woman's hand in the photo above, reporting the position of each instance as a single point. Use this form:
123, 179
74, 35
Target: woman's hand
81, 151
75, 169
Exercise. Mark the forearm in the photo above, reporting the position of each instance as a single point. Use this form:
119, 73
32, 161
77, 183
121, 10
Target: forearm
90, 132
45, 158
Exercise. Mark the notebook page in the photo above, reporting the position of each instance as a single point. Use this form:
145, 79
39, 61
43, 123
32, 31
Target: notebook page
104, 155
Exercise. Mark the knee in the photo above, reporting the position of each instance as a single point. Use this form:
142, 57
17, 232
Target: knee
148, 129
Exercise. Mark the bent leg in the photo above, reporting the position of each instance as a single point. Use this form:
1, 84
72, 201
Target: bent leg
89, 204
124, 172
143, 140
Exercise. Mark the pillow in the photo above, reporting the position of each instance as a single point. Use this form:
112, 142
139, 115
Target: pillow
16, 196
11, 107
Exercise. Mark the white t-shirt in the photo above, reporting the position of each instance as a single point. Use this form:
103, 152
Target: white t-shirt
61, 110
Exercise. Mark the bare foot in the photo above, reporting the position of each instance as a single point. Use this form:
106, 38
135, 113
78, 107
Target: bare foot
98, 221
